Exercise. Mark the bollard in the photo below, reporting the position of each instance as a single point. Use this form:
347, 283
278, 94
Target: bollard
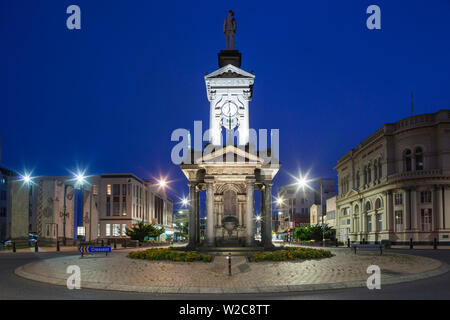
434, 243
410, 243
337, 244
348, 243
229, 263
115, 245
14, 246
36, 248
57, 245
381, 250
355, 249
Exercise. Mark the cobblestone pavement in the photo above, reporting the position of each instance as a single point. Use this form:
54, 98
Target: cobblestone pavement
116, 270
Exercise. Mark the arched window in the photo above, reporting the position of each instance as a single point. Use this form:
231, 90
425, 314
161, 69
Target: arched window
378, 204
356, 209
419, 158
407, 159
368, 206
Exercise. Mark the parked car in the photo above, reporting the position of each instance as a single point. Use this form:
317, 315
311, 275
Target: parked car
7, 243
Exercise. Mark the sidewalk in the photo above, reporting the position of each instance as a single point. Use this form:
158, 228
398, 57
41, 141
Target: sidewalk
344, 270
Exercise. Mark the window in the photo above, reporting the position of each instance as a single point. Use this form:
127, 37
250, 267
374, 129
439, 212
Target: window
124, 206
356, 209
365, 175
426, 219
425, 197
108, 189
419, 158
407, 159
369, 174
3, 195
116, 189
116, 230
356, 227
108, 206
378, 204
124, 229
98, 230
116, 206
368, 206
2, 212
124, 189
95, 190
398, 221
398, 199
108, 230
369, 223
379, 222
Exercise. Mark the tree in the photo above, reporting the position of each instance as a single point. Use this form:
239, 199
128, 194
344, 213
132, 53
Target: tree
140, 231
314, 232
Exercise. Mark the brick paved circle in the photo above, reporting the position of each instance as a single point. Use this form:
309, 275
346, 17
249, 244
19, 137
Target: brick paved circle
118, 272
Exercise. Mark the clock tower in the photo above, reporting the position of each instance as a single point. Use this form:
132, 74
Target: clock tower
229, 90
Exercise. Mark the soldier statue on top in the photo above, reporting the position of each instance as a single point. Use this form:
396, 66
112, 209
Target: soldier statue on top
229, 29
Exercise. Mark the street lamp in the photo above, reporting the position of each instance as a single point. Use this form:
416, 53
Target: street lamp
28, 181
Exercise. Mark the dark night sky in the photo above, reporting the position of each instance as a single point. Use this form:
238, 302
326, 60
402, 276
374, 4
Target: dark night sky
107, 97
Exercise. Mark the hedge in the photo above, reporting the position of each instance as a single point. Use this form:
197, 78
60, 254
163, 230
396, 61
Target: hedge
291, 254
169, 254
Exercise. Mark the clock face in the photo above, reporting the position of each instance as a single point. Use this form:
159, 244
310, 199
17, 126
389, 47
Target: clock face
229, 109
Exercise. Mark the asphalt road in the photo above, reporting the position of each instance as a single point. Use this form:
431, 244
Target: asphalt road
13, 287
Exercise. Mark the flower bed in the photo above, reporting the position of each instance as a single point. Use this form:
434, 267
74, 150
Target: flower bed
169, 254
291, 254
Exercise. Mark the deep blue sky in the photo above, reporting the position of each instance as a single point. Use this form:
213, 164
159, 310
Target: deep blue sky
107, 97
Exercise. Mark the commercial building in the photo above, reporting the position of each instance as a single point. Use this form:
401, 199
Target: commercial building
295, 208
395, 185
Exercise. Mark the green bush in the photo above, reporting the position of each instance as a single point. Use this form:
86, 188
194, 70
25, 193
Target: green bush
291, 254
169, 254
314, 232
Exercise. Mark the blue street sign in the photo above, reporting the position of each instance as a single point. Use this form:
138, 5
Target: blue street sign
89, 249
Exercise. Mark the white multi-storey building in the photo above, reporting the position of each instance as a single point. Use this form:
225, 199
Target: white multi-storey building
395, 185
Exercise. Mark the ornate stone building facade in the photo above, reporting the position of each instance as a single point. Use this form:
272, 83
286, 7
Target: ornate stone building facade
395, 185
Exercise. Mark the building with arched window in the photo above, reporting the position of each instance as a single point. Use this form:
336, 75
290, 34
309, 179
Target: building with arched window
397, 183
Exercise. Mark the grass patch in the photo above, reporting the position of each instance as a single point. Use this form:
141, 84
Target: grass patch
286, 254
158, 254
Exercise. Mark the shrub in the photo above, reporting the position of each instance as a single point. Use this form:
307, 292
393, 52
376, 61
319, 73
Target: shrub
291, 254
169, 254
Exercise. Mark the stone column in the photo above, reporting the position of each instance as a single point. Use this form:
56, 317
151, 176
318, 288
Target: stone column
268, 216
250, 214
197, 213
210, 241
438, 223
414, 220
263, 215
192, 217
390, 211
407, 210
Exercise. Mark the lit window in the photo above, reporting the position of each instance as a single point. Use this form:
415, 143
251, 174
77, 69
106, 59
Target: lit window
124, 229
108, 230
108, 189
398, 221
116, 230
426, 219
95, 189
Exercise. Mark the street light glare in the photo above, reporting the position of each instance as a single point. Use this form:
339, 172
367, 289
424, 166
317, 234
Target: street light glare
80, 178
26, 178
162, 183
184, 201
279, 201
258, 218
